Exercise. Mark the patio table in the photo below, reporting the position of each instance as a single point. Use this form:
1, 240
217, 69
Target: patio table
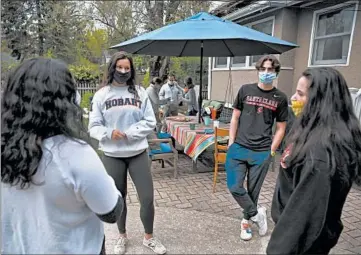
194, 141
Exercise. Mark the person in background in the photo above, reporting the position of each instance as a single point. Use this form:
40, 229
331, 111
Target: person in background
153, 95
53, 183
121, 118
174, 92
190, 97
251, 146
318, 167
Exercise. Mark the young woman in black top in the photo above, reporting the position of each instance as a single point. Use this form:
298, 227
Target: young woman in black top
318, 167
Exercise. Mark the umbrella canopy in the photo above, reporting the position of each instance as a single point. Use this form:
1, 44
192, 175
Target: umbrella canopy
204, 35
220, 38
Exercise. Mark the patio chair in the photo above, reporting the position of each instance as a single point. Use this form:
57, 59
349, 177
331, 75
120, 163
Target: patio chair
163, 150
220, 152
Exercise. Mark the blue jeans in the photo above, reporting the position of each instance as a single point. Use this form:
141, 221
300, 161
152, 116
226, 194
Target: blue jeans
242, 162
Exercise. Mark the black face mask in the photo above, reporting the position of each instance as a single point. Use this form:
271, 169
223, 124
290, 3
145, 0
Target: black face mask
120, 77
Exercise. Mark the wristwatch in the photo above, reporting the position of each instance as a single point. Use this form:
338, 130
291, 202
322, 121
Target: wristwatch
273, 153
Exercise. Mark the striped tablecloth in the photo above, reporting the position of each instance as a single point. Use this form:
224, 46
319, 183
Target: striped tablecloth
193, 142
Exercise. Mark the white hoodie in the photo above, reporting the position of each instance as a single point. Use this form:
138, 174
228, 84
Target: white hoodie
116, 108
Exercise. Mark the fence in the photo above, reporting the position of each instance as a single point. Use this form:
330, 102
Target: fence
87, 86
204, 94
91, 86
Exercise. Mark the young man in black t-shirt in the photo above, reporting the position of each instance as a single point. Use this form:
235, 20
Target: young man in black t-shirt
251, 146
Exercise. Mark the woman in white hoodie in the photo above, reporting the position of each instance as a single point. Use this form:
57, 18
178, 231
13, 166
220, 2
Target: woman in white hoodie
121, 117
55, 191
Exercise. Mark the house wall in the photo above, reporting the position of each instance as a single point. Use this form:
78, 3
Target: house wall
287, 28
352, 72
295, 26
284, 26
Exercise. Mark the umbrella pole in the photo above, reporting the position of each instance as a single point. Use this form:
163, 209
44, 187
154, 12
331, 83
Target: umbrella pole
200, 85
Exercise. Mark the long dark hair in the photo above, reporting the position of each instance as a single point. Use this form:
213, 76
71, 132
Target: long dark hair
38, 102
109, 74
328, 119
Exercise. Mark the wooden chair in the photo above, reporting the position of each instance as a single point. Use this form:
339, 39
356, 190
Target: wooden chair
220, 152
170, 157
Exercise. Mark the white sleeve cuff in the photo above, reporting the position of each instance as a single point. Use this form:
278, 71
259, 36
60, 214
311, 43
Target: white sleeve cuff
109, 133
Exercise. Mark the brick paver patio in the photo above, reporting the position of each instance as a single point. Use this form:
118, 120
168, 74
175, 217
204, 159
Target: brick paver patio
193, 191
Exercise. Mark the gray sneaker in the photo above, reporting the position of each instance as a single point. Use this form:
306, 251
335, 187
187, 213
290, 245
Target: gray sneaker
155, 245
261, 220
120, 246
246, 231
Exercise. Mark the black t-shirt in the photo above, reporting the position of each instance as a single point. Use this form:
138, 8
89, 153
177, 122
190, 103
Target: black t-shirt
259, 108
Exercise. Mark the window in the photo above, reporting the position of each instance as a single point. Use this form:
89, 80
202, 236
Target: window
332, 35
238, 61
221, 62
264, 27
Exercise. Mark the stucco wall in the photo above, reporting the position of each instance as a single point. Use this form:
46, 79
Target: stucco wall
295, 26
352, 72
284, 26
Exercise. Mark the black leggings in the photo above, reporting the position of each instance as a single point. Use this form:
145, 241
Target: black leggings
139, 170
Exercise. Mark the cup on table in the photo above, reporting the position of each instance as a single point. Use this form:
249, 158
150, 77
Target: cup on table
213, 113
207, 120
192, 126
216, 123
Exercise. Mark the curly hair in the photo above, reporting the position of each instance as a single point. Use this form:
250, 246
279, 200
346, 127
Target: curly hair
39, 101
109, 74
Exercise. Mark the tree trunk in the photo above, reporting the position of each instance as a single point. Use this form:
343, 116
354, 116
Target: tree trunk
40, 29
164, 69
159, 65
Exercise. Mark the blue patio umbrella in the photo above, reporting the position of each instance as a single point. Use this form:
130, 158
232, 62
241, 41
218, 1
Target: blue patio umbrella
204, 35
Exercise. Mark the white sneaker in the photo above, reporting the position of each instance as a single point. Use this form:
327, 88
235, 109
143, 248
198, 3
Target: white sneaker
119, 248
246, 231
155, 245
261, 220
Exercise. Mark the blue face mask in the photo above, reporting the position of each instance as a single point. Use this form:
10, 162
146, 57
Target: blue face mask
267, 78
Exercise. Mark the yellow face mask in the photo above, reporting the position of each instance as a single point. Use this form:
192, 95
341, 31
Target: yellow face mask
297, 107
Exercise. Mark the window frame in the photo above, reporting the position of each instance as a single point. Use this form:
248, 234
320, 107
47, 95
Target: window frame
220, 68
273, 19
247, 65
315, 20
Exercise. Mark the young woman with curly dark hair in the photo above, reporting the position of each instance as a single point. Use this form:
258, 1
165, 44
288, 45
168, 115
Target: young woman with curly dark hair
121, 118
318, 167
53, 183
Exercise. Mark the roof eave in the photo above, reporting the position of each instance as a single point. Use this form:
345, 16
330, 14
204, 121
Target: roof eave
257, 7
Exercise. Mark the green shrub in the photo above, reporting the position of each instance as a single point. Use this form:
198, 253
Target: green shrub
85, 72
85, 100
146, 79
